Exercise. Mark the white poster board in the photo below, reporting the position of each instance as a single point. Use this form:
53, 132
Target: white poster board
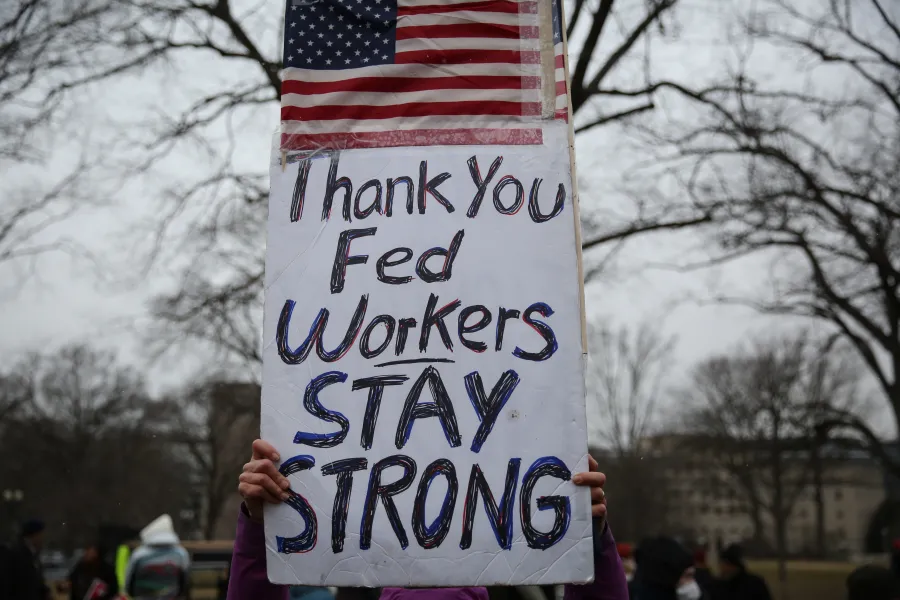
423, 367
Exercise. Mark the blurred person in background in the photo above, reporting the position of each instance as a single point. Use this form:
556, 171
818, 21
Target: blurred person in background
665, 571
305, 592
627, 556
636, 554
702, 575
870, 582
123, 554
736, 583
222, 583
4, 570
93, 578
895, 557
24, 579
159, 567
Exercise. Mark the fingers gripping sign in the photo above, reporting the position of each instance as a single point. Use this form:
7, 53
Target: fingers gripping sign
263, 482
594, 480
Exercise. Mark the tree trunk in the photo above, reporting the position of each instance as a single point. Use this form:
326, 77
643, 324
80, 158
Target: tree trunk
633, 492
759, 534
213, 507
781, 543
819, 496
780, 512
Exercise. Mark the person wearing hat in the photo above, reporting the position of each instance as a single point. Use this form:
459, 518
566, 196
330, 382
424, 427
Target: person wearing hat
24, 572
871, 582
665, 571
159, 567
736, 583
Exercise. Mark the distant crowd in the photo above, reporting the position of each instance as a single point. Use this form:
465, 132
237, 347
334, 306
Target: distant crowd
159, 568
657, 563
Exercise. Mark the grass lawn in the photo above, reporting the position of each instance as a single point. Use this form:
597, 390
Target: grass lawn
807, 580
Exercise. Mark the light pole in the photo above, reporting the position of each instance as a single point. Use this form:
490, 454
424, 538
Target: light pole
187, 522
12, 499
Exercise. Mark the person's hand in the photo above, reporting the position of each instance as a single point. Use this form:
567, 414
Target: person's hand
261, 482
594, 480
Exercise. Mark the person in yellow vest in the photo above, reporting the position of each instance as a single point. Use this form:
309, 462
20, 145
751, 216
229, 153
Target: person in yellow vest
123, 553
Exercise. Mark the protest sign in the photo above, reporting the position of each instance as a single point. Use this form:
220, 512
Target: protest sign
423, 331
422, 374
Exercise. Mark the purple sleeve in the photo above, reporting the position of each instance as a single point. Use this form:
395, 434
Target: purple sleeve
249, 580
609, 575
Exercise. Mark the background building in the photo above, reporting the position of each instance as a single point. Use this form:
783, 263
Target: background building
706, 503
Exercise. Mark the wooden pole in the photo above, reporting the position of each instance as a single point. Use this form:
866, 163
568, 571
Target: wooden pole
575, 198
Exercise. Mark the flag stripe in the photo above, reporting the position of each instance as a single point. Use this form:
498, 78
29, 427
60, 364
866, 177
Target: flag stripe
493, 6
409, 71
468, 30
418, 137
562, 83
408, 123
397, 85
381, 99
464, 43
458, 18
411, 109
456, 57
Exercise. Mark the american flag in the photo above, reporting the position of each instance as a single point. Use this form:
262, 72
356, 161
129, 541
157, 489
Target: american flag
368, 73
559, 63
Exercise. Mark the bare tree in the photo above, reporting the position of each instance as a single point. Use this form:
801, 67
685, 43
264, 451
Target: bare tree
755, 414
613, 38
16, 389
804, 172
44, 44
218, 421
626, 376
89, 423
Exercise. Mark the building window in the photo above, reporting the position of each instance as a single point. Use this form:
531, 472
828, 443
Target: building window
840, 514
838, 494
